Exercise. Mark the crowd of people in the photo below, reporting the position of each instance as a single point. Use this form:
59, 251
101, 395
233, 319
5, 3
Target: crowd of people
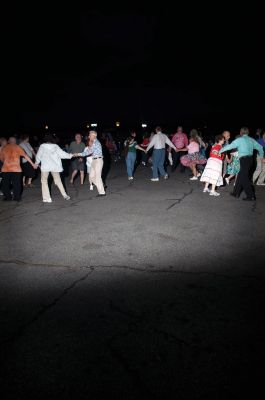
215, 163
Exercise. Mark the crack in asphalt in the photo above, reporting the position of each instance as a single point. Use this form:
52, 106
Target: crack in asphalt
20, 331
178, 201
150, 269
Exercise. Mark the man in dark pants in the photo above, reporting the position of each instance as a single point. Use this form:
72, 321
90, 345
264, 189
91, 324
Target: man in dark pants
245, 146
11, 170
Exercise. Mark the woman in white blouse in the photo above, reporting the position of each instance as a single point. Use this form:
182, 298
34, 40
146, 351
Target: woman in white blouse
50, 157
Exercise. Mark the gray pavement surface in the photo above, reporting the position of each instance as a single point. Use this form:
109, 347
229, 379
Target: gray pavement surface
154, 291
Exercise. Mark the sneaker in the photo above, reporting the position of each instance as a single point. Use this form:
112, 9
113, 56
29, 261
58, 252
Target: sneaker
198, 175
154, 179
1, 193
67, 197
194, 178
130, 178
166, 176
47, 201
206, 190
260, 184
227, 181
214, 193
91, 187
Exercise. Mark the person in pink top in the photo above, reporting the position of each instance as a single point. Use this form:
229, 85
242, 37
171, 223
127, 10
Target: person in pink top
194, 156
180, 140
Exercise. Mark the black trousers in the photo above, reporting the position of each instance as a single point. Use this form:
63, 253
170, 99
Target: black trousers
176, 160
243, 180
12, 180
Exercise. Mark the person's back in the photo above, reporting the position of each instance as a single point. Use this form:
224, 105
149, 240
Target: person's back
50, 155
10, 156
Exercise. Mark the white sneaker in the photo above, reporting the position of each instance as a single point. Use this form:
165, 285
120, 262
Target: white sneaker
194, 178
166, 176
260, 184
91, 187
214, 193
1, 193
198, 175
47, 201
227, 181
130, 178
154, 179
67, 197
206, 190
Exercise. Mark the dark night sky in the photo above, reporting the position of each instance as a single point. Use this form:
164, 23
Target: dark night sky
73, 65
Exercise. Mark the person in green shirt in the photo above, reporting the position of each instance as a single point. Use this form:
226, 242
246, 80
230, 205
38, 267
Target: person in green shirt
245, 147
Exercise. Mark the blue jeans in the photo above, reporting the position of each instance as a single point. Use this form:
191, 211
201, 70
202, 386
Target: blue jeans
158, 158
130, 162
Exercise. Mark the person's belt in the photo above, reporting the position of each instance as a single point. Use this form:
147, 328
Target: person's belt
245, 157
94, 158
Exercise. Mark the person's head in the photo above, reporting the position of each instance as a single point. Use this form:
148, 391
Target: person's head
25, 138
3, 141
226, 135
48, 139
158, 129
244, 131
194, 136
133, 134
78, 138
12, 140
92, 135
179, 129
219, 139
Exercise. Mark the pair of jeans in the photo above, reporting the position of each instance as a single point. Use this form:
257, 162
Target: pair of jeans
158, 158
130, 163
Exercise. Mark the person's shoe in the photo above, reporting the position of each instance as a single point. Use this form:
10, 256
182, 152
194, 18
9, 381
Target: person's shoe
206, 190
260, 184
166, 176
253, 198
194, 178
1, 193
47, 201
67, 197
31, 185
198, 175
91, 187
154, 179
235, 195
214, 193
227, 181
130, 178
101, 195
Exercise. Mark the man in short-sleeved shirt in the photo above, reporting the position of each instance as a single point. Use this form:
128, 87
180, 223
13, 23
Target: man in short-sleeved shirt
11, 169
77, 164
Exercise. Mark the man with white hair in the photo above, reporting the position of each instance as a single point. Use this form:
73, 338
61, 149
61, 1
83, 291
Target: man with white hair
11, 169
94, 149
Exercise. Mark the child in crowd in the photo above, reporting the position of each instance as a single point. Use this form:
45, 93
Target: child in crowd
212, 173
233, 167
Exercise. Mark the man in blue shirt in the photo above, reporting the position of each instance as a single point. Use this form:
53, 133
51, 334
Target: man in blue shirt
245, 147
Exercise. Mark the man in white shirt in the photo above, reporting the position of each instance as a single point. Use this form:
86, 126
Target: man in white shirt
159, 141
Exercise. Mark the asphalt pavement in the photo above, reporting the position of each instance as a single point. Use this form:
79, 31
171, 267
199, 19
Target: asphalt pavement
154, 291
